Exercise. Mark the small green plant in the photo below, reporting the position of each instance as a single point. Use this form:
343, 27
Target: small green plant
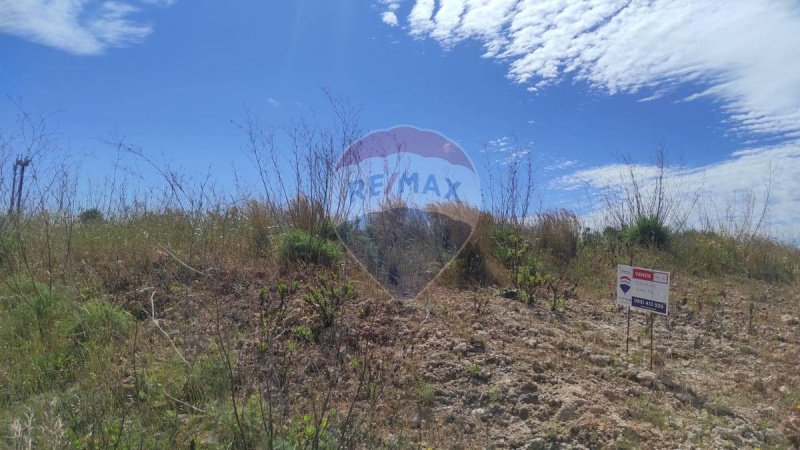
494, 395
509, 293
326, 301
475, 370
531, 281
303, 333
305, 432
425, 393
176, 289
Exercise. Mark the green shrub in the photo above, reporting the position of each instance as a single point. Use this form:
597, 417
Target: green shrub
532, 281
298, 246
648, 231
92, 215
511, 247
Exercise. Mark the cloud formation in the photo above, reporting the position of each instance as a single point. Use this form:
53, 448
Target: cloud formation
721, 186
743, 53
389, 18
81, 27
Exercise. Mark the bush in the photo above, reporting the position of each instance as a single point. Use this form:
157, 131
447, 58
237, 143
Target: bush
299, 246
92, 215
648, 231
511, 247
532, 280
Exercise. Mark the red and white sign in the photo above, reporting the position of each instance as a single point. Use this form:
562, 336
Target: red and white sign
645, 290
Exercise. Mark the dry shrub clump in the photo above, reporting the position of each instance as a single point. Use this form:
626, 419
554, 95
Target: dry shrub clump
557, 234
261, 220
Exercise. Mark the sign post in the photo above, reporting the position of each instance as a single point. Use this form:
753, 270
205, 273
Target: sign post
643, 290
628, 332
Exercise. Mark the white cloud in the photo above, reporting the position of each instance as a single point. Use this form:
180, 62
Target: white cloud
273, 102
82, 27
719, 185
744, 53
390, 18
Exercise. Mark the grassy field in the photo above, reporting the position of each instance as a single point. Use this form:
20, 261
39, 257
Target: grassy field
232, 330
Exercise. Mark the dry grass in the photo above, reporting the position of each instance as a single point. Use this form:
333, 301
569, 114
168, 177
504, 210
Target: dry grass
557, 234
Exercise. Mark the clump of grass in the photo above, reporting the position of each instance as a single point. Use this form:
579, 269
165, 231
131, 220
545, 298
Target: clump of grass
98, 320
260, 220
556, 234
297, 246
310, 216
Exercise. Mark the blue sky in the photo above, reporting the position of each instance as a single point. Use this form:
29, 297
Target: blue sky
585, 82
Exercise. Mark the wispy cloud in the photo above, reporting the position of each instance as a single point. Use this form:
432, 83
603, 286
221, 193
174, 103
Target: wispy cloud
505, 150
718, 185
561, 164
82, 27
743, 53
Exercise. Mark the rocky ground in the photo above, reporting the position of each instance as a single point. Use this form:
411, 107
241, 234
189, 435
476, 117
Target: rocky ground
502, 374
472, 369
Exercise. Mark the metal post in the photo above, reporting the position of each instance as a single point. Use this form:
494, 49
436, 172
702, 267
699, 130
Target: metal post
23, 163
13, 187
652, 321
19, 191
628, 329
628, 332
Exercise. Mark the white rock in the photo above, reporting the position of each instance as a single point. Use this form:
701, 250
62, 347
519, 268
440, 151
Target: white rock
646, 377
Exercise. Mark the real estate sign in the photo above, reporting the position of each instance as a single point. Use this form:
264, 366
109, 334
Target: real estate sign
643, 289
